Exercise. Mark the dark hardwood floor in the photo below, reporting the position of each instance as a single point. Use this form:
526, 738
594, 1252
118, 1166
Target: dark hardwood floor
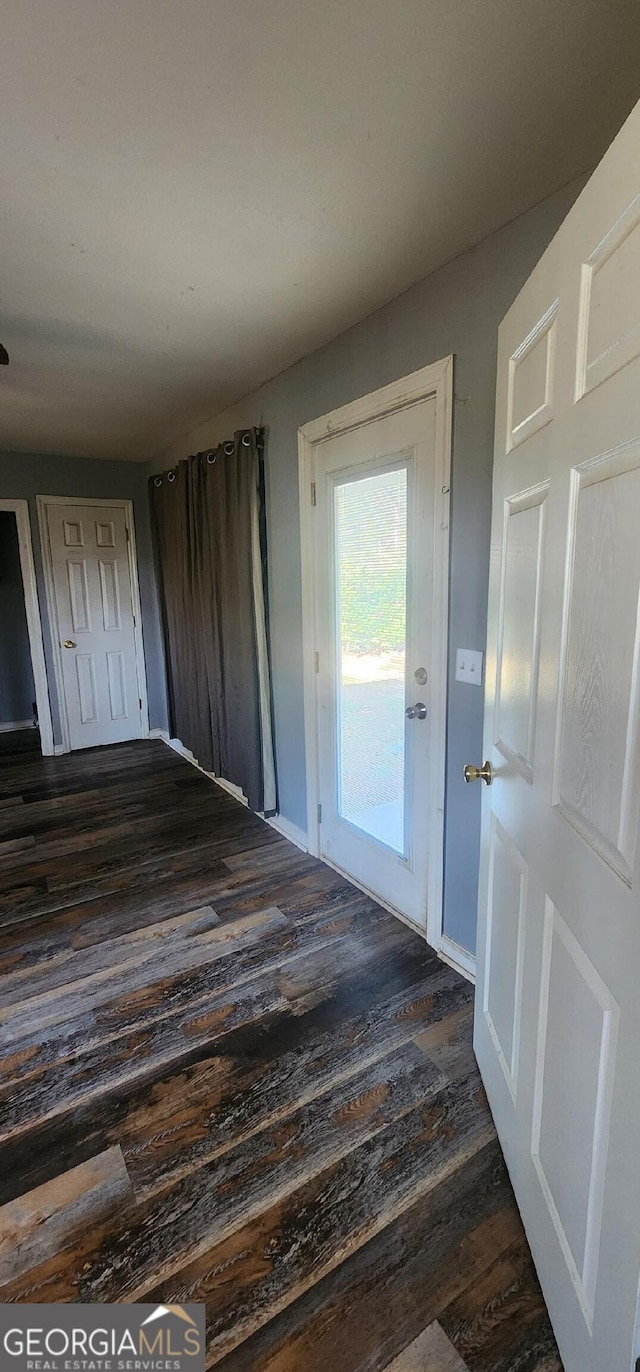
228, 1076
19, 741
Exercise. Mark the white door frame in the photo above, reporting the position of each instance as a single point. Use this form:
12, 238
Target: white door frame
43, 502
435, 380
20, 508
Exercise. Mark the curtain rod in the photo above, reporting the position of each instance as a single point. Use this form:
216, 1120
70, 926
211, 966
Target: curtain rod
229, 445
208, 454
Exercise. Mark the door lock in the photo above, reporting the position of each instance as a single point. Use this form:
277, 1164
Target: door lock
69, 643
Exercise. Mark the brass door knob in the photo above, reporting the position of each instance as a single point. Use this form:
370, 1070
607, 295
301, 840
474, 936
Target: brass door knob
484, 773
69, 643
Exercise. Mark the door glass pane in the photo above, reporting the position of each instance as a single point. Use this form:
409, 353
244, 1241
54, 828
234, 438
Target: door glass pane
371, 595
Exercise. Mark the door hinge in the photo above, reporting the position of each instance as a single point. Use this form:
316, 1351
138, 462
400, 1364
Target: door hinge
313, 492
126, 532
319, 814
316, 662
139, 702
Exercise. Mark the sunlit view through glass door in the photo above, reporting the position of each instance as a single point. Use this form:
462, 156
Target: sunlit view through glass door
370, 516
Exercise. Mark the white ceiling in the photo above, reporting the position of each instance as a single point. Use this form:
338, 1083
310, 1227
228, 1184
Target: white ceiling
195, 193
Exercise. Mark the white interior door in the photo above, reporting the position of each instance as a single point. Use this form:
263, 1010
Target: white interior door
375, 518
558, 1007
95, 622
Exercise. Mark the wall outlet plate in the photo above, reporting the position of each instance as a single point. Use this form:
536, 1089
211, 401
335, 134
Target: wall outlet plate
469, 666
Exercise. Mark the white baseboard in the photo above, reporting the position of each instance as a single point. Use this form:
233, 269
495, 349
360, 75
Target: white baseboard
283, 826
451, 952
288, 830
366, 891
58, 750
456, 956
178, 747
228, 786
16, 724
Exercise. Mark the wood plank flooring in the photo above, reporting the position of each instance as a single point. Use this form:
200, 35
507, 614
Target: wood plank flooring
19, 741
432, 1351
228, 1076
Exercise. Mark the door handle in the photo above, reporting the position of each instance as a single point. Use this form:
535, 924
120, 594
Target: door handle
69, 643
417, 711
484, 773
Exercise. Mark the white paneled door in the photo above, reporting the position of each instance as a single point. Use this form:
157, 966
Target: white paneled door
95, 626
379, 553
558, 1007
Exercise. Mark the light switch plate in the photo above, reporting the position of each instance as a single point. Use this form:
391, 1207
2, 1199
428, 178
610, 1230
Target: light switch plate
469, 666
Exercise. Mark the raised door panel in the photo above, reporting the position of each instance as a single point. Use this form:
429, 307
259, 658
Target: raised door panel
598, 760
73, 533
610, 303
105, 534
87, 691
505, 943
577, 1036
110, 595
531, 377
117, 685
79, 596
519, 627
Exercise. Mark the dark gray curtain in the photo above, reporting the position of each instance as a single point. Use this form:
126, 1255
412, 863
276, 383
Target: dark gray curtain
208, 525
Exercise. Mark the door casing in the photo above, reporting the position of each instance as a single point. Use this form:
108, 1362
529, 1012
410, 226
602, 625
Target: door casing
434, 381
20, 508
43, 502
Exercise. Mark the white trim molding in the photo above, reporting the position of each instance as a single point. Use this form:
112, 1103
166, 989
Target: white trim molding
452, 953
179, 747
278, 822
289, 830
456, 956
20, 508
435, 380
42, 503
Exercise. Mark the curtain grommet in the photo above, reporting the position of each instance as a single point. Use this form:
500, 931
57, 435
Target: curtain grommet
228, 449
157, 480
246, 440
211, 457
171, 476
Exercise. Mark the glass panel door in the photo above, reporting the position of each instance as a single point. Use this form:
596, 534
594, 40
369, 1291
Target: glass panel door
370, 522
373, 547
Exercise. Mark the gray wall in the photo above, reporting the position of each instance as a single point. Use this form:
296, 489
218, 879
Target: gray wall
456, 310
23, 476
17, 692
